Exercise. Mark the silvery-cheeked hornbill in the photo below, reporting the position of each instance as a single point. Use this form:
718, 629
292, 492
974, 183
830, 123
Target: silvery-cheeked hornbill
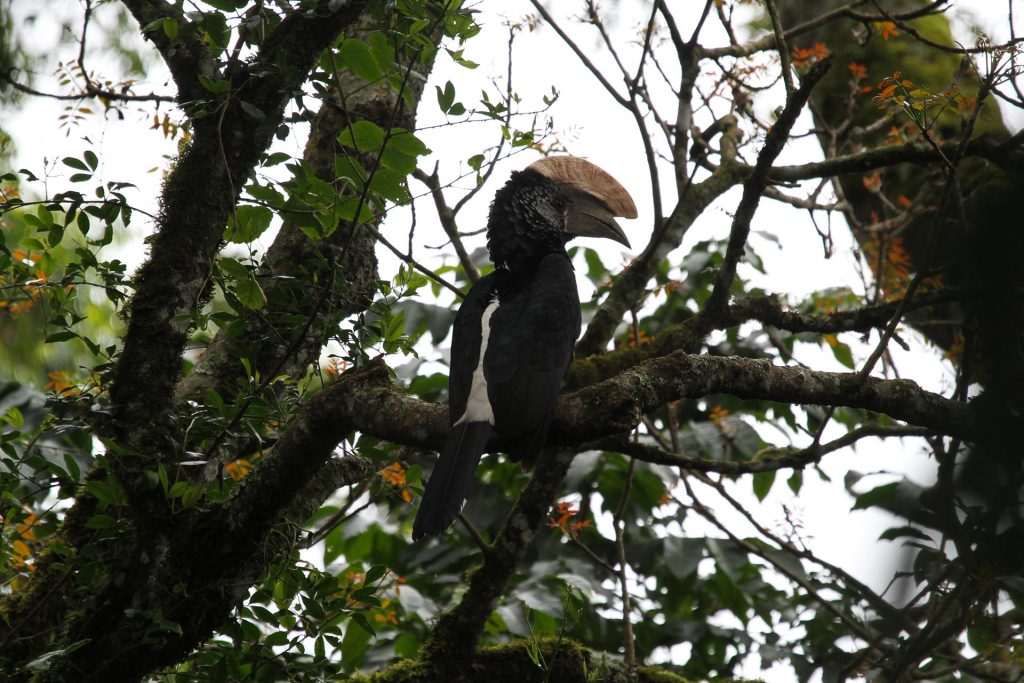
514, 333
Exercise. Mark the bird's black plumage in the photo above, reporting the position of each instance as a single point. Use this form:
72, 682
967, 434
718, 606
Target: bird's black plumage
528, 307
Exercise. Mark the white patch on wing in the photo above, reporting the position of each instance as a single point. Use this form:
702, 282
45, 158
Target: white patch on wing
478, 405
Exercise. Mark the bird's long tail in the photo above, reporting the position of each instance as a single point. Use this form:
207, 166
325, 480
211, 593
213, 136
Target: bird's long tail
446, 490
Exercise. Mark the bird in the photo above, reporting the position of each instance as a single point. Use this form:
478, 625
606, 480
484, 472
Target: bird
513, 335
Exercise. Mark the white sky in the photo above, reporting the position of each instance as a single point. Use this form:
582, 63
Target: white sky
590, 125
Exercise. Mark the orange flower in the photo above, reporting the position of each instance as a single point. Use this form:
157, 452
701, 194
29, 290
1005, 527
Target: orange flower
60, 383
22, 554
718, 415
238, 468
335, 366
872, 181
384, 615
576, 526
887, 29
890, 261
633, 336
394, 474
564, 512
666, 496
805, 56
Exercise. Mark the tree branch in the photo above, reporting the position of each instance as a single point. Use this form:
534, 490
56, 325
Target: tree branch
753, 188
446, 215
1005, 152
225, 150
615, 406
767, 460
454, 638
631, 284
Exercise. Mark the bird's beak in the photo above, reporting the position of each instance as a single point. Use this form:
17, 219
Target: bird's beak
588, 216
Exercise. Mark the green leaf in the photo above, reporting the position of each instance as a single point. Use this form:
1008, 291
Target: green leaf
843, 354
445, 96
903, 531
375, 573
796, 481
250, 294
276, 158
406, 142
876, 496
217, 87
249, 223
787, 560
252, 110
45, 217
346, 211
359, 58
265, 193
170, 27
74, 471
232, 268
226, 5
362, 136
99, 522
403, 152
983, 632
192, 495
277, 638
390, 185
683, 555
347, 166
64, 335
762, 483
77, 164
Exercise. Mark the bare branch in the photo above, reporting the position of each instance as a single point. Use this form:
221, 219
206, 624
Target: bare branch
754, 186
767, 460
446, 216
781, 46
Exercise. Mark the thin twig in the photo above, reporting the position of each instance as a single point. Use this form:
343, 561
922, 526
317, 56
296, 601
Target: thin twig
620, 547
781, 46
446, 216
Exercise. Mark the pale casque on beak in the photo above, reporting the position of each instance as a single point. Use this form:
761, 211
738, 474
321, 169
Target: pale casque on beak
595, 197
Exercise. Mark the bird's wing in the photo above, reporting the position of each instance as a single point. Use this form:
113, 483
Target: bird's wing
452, 475
466, 344
530, 348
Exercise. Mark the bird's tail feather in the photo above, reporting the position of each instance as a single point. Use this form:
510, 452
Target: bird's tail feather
448, 485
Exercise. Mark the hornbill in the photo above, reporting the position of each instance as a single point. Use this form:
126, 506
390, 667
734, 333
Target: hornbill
514, 333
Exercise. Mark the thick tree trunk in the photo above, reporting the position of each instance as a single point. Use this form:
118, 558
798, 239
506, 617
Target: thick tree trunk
961, 223
164, 579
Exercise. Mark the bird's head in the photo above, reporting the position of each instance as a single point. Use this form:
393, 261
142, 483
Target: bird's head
548, 203
594, 197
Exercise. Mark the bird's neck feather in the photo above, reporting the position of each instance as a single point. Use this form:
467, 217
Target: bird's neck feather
526, 222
